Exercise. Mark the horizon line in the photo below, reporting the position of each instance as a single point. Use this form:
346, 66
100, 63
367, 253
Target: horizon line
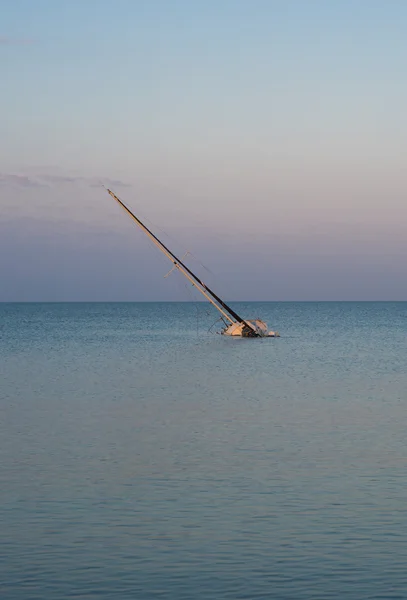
180, 301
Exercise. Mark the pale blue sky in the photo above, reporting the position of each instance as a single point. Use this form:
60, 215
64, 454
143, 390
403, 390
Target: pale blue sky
269, 136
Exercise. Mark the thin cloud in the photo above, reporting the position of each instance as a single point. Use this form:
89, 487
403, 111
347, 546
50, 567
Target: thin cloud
90, 181
47, 180
24, 181
111, 182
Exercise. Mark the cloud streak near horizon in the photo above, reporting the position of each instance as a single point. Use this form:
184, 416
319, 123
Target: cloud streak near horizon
47, 180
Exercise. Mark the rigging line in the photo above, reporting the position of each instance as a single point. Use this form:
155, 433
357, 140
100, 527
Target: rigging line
194, 256
160, 229
184, 286
175, 242
200, 307
170, 238
195, 302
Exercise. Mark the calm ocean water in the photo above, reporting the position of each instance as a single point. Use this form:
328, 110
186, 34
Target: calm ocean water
142, 457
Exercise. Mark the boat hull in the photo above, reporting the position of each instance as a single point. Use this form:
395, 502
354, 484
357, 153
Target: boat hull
258, 329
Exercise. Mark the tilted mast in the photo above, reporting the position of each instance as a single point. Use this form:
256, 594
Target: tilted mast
213, 298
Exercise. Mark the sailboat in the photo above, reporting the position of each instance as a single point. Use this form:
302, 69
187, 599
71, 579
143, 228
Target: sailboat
234, 324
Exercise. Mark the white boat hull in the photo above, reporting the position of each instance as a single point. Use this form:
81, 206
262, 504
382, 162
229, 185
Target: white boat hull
258, 329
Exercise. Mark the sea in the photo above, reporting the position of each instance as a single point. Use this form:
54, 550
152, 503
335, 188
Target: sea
144, 456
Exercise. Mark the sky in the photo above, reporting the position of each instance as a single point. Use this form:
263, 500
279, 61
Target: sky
269, 138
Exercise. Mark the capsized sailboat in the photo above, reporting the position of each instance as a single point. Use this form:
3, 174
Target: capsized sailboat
234, 324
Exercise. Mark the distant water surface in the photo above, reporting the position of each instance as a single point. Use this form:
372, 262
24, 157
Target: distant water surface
143, 457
